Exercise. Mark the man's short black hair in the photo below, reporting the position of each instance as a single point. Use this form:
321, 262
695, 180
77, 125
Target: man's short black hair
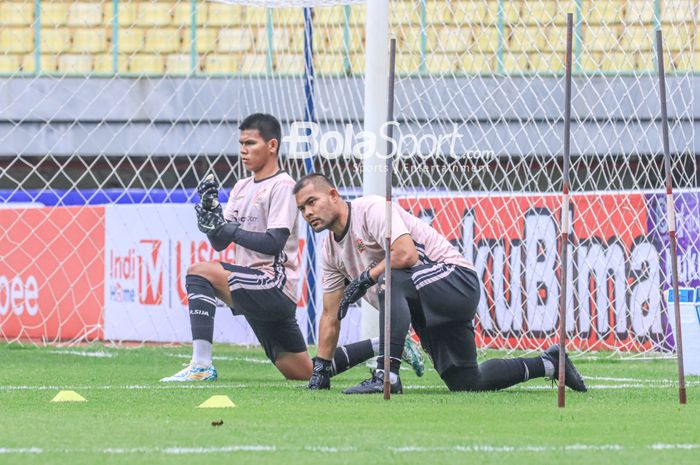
317, 179
267, 125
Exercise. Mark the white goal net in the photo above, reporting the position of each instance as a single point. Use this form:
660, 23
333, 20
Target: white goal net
112, 112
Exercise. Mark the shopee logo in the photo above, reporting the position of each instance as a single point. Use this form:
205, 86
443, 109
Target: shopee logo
19, 295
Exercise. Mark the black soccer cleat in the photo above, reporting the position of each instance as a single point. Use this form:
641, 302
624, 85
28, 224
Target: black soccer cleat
375, 385
572, 378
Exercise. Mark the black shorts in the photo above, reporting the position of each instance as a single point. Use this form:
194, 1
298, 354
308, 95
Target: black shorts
443, 300
267, 309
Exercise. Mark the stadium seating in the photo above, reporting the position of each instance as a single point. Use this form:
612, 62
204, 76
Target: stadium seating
90, 40
16, 13
16, 40
76, 36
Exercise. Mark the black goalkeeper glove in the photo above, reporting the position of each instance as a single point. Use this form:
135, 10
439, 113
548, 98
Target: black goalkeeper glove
321, 376
208, 190
209, 221
354, 292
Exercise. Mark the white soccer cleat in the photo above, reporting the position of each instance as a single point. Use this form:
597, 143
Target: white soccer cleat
192, 373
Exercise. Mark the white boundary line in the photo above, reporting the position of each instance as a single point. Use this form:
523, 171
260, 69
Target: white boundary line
476, 448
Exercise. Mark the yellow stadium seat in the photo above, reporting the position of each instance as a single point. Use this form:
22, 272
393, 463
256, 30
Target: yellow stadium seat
296, 39
330, 40
485, 39
155, 14
601, 38
409, 38
206, 40
637, 37
478, 63
55, 40
282, 39
84, 14
448, 40
602, 11
288, 17
75, 64
219, 14
104, 64
618, 62
16, 14
222, 64
639, 11
677, 36
255, 15
404, 13
146, 64
178, 64
54, 14
588, 62
682, 62
162, 40
235, 40
357, 64
679, 11
407, 63
48, 63
441, 63
514, 63
16, 40
358, 15
182, 13
540, 12
556, 38
254, 63
523, 38
333, 15
289, 64
326, 63
128, 13
130, 40
645, 61
9, 64
90, 40
547, 63
511, 12
475, 12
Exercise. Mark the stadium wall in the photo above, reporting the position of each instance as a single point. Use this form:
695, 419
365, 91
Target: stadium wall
198, 116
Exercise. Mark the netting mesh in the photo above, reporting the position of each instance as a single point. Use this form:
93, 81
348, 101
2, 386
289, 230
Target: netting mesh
112, 111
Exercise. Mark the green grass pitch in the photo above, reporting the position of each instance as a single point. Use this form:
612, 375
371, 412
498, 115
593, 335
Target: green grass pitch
630, 415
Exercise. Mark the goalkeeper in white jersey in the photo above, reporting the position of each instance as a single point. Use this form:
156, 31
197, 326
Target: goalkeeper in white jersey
434, 289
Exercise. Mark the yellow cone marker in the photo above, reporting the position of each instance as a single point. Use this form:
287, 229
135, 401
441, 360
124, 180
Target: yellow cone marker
217, 402
68, 396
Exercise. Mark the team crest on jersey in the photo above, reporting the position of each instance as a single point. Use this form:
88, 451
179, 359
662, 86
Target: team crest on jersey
259, 196
360, 245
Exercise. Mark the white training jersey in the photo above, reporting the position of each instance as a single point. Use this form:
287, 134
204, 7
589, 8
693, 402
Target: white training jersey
262, 205
362, 245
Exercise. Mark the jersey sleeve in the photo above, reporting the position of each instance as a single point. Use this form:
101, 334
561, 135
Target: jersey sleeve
375, 221
229, 208
283, 208
331, 276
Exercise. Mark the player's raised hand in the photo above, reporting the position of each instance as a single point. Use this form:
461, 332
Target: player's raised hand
208, 190
354, 292
321, 376
208, 221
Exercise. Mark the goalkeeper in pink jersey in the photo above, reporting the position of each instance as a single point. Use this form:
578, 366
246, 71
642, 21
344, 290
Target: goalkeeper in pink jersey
434, 289
260, 219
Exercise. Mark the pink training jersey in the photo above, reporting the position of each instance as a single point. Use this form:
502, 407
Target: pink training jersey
362, 245
262, 205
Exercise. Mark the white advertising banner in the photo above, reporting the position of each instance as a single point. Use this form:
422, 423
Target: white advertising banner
148, 249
